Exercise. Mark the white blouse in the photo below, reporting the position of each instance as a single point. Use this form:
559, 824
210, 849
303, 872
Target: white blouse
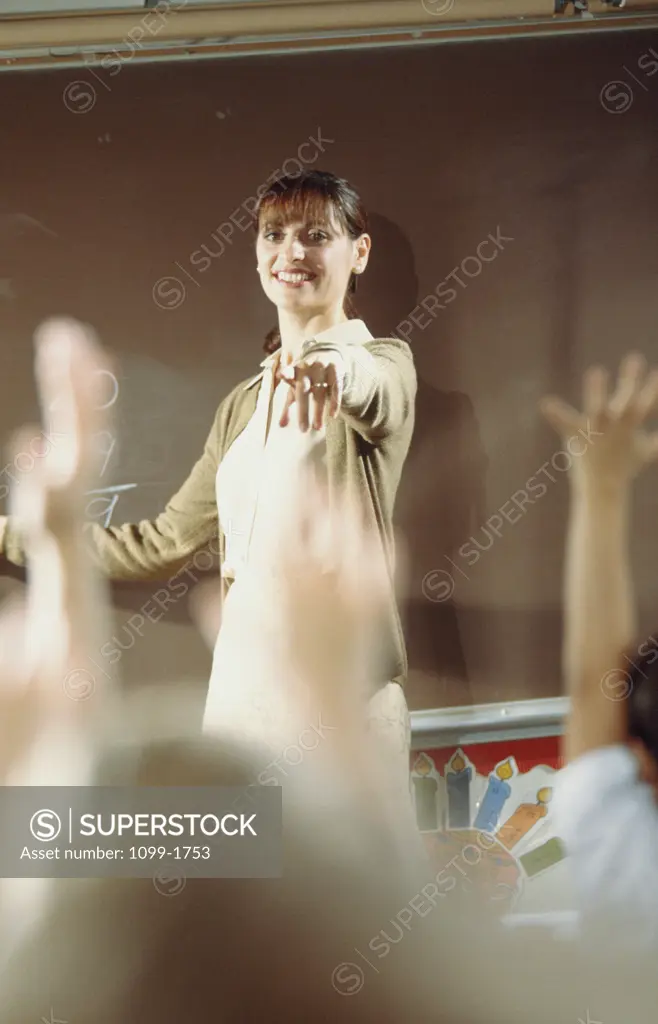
253, 472
250, 687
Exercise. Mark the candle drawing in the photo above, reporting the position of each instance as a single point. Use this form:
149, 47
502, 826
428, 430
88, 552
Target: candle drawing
497, 793
458, 781
425, 790
525, 817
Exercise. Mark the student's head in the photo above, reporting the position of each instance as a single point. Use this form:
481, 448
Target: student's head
314, 227
119, 950
642, 671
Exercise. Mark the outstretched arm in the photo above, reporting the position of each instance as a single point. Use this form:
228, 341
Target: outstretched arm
372, 386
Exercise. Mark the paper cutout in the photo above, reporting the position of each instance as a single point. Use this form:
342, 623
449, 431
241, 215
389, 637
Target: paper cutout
543, 857
497, 837
497, 793
458, 780
426, 788
524, 819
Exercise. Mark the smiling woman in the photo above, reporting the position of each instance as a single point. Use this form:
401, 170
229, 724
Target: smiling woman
354, 402
329, 395
312, 230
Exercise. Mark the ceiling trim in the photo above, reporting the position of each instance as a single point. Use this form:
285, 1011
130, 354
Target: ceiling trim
183, 24
176, 52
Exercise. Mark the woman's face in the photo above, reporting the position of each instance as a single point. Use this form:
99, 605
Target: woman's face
305, 266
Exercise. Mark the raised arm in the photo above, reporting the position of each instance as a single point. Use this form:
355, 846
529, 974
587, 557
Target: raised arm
599, 606
147, 549
47, 639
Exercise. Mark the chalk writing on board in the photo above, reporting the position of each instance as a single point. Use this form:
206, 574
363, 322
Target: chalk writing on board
104, 505
115, 388
103, 499
106, 445
57, 402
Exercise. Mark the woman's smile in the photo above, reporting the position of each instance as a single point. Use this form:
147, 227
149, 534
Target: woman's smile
293, 278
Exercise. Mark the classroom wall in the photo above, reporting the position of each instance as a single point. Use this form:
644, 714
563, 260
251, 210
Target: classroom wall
113, 178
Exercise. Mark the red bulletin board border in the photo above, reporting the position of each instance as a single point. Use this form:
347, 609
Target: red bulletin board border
485, 756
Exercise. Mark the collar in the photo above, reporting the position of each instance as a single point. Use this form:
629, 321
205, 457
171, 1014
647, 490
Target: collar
350, 332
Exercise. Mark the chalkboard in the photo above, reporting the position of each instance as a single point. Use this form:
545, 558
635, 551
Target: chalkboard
513, 199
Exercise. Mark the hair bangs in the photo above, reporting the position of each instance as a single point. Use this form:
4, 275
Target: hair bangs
299, 202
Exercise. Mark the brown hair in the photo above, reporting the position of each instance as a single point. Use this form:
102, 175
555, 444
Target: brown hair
642, 697
310, 194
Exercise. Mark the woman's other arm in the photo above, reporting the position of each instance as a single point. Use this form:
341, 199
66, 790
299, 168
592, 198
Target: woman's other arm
145, 549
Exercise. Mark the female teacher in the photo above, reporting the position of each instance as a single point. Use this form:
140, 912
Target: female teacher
328, 393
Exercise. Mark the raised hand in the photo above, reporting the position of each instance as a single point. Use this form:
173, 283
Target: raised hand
47, 681
613, 445
333, 584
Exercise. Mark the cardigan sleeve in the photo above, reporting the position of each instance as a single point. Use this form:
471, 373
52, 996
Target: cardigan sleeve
379, 384
146, 549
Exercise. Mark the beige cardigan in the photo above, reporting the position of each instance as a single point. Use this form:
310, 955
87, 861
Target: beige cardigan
367, 445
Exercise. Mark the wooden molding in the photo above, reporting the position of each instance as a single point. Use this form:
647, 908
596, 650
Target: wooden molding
292, 18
